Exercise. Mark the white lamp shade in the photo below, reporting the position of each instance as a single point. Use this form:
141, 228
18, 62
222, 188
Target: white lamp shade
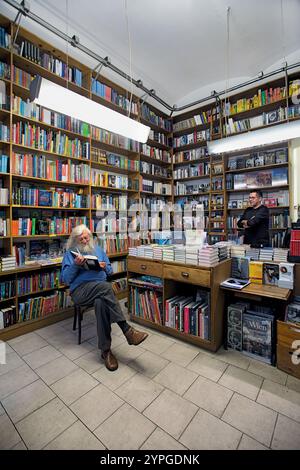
65, 101
269, 135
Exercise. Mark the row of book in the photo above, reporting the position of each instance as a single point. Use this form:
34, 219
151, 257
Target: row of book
188, 315
109, 180
155, 170
149, 115
182, 189
41, 166
101, 135
276, 221
256, 159
4, 70
7, 289
104, 202
119, 285
4, 132
5, 38
20, 77
110, 224
37, 55
200, 169
156, 187
262, 254
190, 155
32, 110
111, 95
156, 153
4, 226
120, 161
257, 179
261, 98
204, 117
4, 196
37, 282
49, 226
37, 307
270, 199
158, 137
119, 266
193, 138
4, 160
30, 135
146, 304
55, 197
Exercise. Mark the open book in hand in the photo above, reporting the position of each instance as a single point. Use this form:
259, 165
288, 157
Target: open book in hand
91, 261
234, 283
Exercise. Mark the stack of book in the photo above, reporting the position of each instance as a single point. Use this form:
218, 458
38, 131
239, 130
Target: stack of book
191, 255
252, 253
180, 254
266, 254
280, 254
208, 256
132, 251
168, 253
7, 263
157, 252
238, 250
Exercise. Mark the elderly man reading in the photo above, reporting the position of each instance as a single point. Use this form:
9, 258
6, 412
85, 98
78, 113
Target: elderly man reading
89, 287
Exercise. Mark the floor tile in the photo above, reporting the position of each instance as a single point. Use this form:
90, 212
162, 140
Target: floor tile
206, 432
2, 411
281, 399
268, 372
91, 361
126, 353
19, 446
160, 440
9, 436
247, 443
241, 381
27, 343
180, 354
76, 437
235, 358
139, 391
115, 379
41, 356
50, 331
16, 379
253, 419
286, 435
28, 399
62, 338
96, 406
45, 424
74, 351
148, 363
176, 378
157, 344
207, 366
208, 395
171, 412
13, 361
74, 386
56, 370
292, 383
87, 332
125, 429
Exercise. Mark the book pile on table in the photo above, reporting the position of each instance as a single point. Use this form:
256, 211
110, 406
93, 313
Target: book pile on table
208, 256
266, 254
280, 254
252, 253
7, 263
239, 250
180, 254
148, 252
224, 247
168, 253
132, 251
191, 255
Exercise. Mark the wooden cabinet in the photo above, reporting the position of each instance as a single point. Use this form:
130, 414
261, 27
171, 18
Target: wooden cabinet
179, 279
288, 348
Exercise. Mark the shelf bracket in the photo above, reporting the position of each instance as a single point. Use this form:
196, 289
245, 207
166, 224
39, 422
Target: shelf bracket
25, 9
101, 64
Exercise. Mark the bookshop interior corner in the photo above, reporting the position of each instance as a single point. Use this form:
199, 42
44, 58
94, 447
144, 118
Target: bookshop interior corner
153, 148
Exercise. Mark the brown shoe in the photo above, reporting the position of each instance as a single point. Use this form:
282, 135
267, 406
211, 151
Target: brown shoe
110, 361
134, 336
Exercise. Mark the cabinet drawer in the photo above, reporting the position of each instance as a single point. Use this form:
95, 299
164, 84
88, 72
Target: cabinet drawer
287, 333
284, 360
200, 277
145, 267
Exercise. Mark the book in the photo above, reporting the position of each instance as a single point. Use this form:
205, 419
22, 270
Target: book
91, 262
271, 274
258, 336
233, 283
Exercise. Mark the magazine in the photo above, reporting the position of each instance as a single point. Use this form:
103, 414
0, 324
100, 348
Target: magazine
234, 283
91, 261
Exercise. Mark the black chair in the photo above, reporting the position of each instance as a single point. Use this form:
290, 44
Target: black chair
78, 314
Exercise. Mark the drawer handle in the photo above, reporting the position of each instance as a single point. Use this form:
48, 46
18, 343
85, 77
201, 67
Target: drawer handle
291, 353
183, 274
143, 266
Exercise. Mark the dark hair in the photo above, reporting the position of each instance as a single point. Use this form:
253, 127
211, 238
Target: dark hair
258, 192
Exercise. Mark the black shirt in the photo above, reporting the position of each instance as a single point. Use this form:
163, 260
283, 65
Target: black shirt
257, 232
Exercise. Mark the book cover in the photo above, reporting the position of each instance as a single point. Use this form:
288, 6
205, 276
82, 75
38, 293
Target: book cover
258, 335
271, 274
279, 176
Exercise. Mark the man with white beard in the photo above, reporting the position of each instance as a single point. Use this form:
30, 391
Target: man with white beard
89, 287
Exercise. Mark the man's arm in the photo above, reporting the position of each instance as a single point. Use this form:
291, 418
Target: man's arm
261, 214
102, 256
69, 269
240, 223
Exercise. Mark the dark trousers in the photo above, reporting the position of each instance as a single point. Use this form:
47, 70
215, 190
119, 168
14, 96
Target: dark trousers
107, 308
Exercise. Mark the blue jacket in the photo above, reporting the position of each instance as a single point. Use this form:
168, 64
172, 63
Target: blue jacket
74, 275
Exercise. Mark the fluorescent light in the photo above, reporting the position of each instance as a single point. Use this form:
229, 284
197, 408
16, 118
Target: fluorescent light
62, 100
268, 135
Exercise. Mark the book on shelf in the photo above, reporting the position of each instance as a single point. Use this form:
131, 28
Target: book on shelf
258, 335
234, 283
91, 262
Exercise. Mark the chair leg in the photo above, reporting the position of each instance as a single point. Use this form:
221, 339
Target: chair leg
75, 317
79, 324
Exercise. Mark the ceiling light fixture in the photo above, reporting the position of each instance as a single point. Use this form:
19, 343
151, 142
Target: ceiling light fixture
62, 100
270, 135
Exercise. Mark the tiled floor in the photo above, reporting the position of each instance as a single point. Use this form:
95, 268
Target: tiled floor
166, 394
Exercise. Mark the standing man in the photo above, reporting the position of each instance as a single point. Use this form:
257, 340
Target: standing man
255, 221
89, 287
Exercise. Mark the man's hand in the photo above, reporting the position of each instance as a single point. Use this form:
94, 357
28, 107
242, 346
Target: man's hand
79, 260
102, 264
244, 223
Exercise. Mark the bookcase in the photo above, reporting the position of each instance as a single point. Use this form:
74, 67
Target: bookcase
178, 279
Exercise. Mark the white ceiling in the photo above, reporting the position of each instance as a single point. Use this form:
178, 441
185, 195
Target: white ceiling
178, 47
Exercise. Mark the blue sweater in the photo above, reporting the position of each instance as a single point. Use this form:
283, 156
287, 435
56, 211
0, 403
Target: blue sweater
74, 275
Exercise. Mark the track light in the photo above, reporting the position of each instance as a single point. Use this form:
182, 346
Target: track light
270, 135
57, 98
